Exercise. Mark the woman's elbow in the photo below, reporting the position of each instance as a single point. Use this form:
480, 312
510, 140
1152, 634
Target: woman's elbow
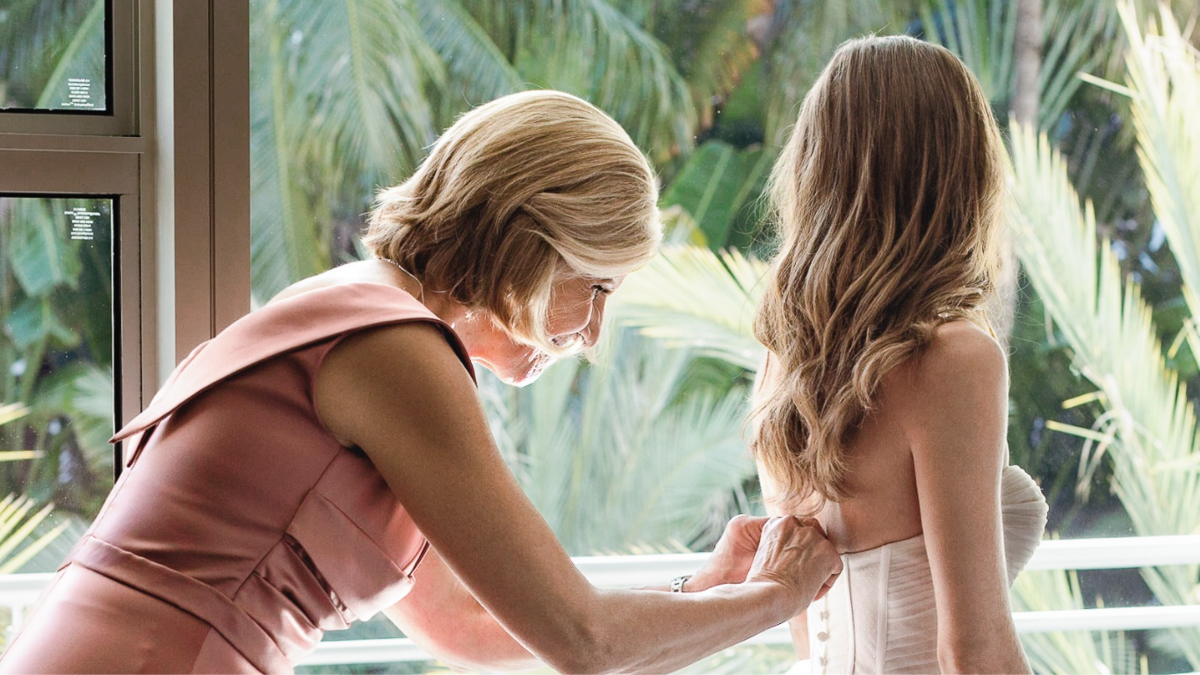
585, 652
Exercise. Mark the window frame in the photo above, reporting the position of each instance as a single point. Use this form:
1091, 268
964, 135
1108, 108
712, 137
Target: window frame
178, 73
121, 86
115, 175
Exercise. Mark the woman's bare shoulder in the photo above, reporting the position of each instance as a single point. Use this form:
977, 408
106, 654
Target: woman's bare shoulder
962, 368
960, 350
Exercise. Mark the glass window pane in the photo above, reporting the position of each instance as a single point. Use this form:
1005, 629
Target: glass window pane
54, 55
56, 369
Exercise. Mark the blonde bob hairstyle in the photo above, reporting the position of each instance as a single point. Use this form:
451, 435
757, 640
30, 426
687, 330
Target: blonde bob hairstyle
888, 200
519, 193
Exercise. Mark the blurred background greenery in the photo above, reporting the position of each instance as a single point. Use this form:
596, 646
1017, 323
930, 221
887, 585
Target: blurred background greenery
643, 450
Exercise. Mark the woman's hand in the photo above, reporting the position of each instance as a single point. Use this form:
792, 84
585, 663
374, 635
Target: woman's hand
735, 552
731, 558
794, 553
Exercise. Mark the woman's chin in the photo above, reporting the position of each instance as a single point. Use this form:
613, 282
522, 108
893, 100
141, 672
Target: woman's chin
523, 373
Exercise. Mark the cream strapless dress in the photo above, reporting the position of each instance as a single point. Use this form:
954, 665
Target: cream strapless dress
880, 616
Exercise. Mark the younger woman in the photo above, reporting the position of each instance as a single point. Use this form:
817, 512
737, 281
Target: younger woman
884, 400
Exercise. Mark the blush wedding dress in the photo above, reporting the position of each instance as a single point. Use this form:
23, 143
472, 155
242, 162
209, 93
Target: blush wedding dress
880, 616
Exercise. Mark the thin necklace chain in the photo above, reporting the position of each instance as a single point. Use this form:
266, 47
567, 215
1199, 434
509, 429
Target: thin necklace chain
410, 276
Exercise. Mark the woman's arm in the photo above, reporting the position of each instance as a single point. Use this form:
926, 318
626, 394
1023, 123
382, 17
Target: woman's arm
954, 403
444, 619
401, 395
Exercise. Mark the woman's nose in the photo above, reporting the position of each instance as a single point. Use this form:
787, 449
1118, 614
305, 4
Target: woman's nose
591, 332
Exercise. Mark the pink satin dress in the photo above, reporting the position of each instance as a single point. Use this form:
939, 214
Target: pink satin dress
242, 530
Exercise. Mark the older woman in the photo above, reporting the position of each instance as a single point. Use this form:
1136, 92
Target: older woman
325, 457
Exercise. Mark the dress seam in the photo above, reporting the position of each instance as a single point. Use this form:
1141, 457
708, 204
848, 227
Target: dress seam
291, 519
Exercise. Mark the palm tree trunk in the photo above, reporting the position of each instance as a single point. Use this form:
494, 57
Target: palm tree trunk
1027, 62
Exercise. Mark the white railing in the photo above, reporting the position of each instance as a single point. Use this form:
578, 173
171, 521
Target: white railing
20, 591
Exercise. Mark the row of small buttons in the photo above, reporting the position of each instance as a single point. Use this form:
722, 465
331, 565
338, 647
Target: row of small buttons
821, 648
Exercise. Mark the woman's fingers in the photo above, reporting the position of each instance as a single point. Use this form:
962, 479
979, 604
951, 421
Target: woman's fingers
815, 524
796, 555
827, 586
733, 555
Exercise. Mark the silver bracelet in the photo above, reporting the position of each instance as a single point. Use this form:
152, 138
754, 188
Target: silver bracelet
677, 583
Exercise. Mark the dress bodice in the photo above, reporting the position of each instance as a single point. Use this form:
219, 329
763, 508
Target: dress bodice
880, 616
240, 507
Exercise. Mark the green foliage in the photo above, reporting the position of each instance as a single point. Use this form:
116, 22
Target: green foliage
83, 54
56, 350
16, 527
620, 455
42, 42
718, 187
1077, 36
1066, 653
347, 95
692, 298
1149, 424
593, 49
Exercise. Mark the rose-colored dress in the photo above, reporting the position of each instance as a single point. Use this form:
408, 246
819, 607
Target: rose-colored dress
242, 530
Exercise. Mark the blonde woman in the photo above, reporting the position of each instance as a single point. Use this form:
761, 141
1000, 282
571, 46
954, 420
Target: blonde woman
325, 458
883, 403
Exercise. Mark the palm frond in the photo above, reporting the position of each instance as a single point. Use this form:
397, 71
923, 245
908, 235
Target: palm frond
82, 394
591, 49
1078, 38
716, 184
361, 65
689, 296
286, 242
983, 33
614, 457
10, 412
1065, 653
1164, 84
970, 29
16, 526
1115, 344
34, 36
40, 254
83, 56
476, 70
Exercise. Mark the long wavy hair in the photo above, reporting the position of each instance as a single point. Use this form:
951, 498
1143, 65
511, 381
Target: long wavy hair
888, 200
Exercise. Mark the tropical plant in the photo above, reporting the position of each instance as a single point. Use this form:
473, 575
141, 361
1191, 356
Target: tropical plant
10, 412
45, 42
691, 297
56, 350
1077, 37
1104, 652
719, 187
626, 454
16, 529
1148, 428
347, 95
